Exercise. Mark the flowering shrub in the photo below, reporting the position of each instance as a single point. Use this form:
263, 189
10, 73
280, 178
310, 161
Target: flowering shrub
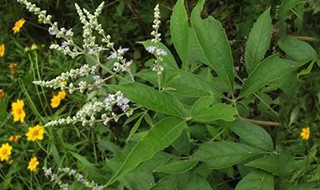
204, 112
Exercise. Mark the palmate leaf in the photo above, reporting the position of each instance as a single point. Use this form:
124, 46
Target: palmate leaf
213, 40
183, 83
191, 85
297, 49
258, 41
179, 30
220, 155
271, 69
256, 180
158, 138
195, 51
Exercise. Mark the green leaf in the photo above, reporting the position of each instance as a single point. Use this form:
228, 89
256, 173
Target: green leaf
203, 111
182, 143
55, 154
252, 134
179, 30
196, 182
175, 166
258, 41
213, 40
195, 51
307, 70
83, 161
256, 180
182, 83
220, 155
150, 98
286, 8
271, 69
139, 180
268, 163
191, 85
168, 59
170, 182
297, 49
135, 127
158, 138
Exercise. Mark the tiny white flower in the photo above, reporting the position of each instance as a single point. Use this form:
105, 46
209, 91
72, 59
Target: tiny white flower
47, 172
103, 49
109, 99
161, 52
122, 50
69, 32
64, 44
52, 32
150, 49
112, 56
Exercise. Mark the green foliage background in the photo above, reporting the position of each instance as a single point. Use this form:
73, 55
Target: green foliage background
274, 156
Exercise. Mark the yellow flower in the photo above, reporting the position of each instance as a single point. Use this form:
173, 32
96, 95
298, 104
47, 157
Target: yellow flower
2, 50
40, 20
55, 101
33, 163
26, 49
17, 111
2, 94
62, 94
13, 66
5, 152
305, 133
18, 25
14, 138
34, 46
35, 133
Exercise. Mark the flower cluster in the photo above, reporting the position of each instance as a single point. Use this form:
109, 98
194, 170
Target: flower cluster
33, 134
90, 23
54, 178
56, 99
97, 111
156, 51
60, 81
79, 177
156, 25
85, 78
63, 33
121, 64
72, 173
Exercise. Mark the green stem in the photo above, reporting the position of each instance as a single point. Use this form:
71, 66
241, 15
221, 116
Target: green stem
32, 106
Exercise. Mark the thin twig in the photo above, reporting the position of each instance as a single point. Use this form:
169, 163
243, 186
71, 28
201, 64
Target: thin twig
259, 122
306, 38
